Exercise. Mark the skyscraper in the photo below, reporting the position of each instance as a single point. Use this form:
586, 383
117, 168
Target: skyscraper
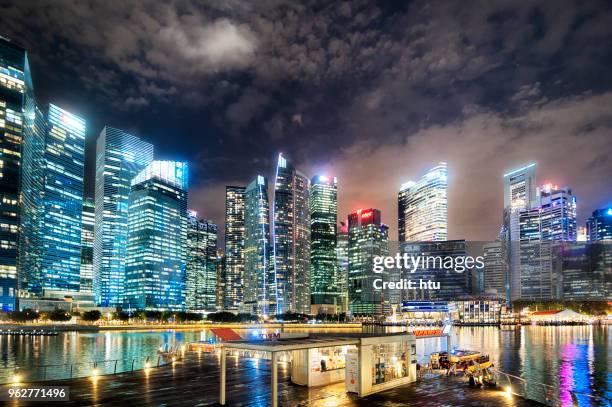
291, 238
234, 247
119, 158
494, 281
259, 287
519, 193
157, 237
599, 225
551, 218
423, 207
87, 242
368, 238
18, 115
323, 232
64, 161
342, 244
201, 274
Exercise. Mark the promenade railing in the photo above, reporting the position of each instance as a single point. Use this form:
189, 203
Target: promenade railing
83, 369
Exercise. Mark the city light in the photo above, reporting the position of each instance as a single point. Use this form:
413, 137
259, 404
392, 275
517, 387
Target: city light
16, 378
508, 391
94, 373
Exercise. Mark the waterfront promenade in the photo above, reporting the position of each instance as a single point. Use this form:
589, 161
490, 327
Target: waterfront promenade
195, 381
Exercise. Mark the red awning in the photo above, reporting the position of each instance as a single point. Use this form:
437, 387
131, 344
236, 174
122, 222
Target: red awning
226, 334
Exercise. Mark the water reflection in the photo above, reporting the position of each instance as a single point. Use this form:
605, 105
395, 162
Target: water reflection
572, 359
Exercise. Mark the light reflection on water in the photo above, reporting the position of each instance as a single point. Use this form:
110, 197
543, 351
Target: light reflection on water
576, 358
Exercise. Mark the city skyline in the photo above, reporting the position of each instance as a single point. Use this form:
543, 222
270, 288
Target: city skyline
422, 101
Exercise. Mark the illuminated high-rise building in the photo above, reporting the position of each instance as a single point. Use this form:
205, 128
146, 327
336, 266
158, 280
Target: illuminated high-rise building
323, 234
201, 274
19, 136
119, 158
368, 238
157, 237
221, 295
64, 161
258, 277
494, 281
342, 243
234, 247
519, 194
88, 220
599, 225
291, 238
551, 219
423, 207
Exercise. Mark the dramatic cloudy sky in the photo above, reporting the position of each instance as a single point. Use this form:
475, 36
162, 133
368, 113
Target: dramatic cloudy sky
374, 93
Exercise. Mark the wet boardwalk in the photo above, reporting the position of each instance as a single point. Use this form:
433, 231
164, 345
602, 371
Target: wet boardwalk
195, 382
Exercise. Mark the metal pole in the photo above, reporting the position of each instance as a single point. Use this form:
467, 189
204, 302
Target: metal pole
274, 380
222, 384
449, 343
132, 364
115, 369
71, 370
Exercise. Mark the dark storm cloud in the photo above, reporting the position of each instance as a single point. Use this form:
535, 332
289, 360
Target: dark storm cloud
373, 92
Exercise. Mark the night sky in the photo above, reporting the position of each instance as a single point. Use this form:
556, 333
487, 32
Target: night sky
374, 93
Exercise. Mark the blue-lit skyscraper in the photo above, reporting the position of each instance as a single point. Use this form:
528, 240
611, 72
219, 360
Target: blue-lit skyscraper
119, 158
259, 287
64, 161
599, 225
291, 231
157, 237
88, 221
201, 272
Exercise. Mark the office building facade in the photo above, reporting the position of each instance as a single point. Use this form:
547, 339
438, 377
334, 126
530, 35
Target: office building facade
119, 158
494, 280
234, 247
342, 243
64, 160
519, 190
324, 293
17, 114
157, 237
368, 238
291, 238
423, 207
599, 225
88, 220
551, 219
258, 277
201, 268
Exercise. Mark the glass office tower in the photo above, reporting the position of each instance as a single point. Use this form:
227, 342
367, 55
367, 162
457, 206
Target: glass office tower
323, 234
18, 119
551, 219
368, 238
291, 238
343, 261
494, 281
62, 202
599, 225
88, 220
201, 274
259, 287
519, 194
234, 247
119, 158
423, 207
157, 237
